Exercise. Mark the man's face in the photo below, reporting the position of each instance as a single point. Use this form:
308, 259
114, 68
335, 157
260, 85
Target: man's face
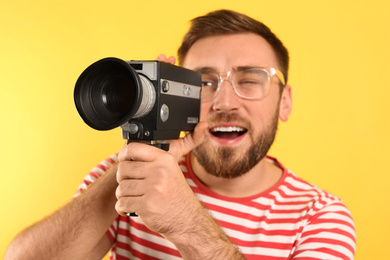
241, 131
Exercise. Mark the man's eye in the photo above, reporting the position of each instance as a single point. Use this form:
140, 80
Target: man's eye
248, 83
207, 84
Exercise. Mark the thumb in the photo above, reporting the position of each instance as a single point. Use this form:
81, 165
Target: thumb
182, 146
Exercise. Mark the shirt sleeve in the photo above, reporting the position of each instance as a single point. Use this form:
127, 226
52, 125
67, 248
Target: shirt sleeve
92, 176
328, 234
96, 172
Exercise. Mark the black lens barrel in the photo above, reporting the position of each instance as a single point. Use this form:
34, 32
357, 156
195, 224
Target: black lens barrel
108, 93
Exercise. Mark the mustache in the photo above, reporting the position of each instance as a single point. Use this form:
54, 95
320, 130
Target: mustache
222, 117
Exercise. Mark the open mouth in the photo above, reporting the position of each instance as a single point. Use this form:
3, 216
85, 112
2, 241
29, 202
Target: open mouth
227, 132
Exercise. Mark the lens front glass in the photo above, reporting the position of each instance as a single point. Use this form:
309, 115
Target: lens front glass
118, 93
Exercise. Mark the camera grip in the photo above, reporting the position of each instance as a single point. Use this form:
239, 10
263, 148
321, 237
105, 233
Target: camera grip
162, 145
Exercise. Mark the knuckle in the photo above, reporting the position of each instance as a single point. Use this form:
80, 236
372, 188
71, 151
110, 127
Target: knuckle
168, 158
122, 171
119, 172
118, 206
118, 192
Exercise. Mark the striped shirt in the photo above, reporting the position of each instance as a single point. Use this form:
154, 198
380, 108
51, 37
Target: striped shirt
292, 220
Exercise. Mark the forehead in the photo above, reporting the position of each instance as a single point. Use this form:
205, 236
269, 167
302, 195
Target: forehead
227, 52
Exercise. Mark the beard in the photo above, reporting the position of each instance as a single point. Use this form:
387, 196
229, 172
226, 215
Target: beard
229, 162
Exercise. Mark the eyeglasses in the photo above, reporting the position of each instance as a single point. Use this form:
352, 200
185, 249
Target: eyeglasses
248, 83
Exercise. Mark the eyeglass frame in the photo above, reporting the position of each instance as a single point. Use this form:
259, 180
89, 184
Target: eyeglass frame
228, 76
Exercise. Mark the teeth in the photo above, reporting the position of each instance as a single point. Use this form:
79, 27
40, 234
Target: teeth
228, 129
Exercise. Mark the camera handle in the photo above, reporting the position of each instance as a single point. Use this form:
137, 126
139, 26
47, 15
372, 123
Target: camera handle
164, 145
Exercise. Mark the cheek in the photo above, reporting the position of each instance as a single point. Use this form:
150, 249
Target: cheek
262, 115
204, 109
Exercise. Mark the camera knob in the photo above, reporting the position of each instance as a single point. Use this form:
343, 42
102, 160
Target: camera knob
164, 113
165, 86
133, 128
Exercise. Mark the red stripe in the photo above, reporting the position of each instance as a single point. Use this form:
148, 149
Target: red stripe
87, 182
110, 160
103, 167
135, 225
312, 236
258, 206
261, 243
328, 250
147, 244
259, 230
265, 257
94, 174
255, 218
330, 242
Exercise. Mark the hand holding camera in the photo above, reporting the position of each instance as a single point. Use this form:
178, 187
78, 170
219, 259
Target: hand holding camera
152, 101
151, 184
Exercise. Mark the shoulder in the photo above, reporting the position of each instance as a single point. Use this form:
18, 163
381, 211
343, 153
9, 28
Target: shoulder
314, 197
313, 203
327, 224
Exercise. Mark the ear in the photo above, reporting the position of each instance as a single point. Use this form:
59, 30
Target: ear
285, 105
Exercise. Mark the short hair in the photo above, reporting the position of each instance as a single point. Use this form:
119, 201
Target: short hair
222, 22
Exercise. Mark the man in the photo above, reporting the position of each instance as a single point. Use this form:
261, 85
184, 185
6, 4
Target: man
225, 199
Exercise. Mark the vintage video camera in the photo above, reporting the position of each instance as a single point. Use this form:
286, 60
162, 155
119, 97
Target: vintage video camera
151, 101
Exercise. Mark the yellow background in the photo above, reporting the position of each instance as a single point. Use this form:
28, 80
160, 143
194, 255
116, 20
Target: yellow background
337, 135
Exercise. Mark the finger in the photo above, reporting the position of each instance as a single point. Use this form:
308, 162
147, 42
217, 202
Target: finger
126, 204
184, 145
130, 188
164, 58
131, 170
171, 60
135, 151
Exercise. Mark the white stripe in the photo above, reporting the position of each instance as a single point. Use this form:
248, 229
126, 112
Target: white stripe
331, 235
254, 224
183, 168
341, 217
291, 198
333, 210
259, 237
114, 157
98, 170
327, 226
145, 250
308, 193
125, 253
191, 183
106, 164
299, 184
252, 210
314, 246
265, 251
112, 232
318, 255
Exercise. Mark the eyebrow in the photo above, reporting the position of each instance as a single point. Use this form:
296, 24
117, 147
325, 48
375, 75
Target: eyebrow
214, 70
206, 70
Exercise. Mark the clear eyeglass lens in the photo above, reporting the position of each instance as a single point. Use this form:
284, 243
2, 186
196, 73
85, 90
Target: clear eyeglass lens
210, 83
250, 83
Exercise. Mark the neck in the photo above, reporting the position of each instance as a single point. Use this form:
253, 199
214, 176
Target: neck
259, 179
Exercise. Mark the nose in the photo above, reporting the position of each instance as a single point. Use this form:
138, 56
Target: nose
225, 99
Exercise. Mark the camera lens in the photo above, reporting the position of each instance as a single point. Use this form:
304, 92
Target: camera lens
118, 94
108, 93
